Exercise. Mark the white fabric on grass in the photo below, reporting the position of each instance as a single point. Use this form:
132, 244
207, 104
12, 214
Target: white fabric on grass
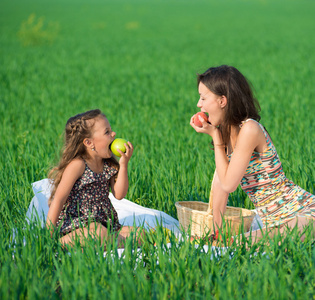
129, 213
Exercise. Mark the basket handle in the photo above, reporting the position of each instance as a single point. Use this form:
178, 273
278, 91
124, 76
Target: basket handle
210, 207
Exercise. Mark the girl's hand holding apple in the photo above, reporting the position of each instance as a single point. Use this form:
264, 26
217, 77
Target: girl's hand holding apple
123, 149
118, 146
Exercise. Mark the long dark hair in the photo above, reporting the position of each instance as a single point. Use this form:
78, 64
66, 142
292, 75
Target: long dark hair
229, 82
77, 129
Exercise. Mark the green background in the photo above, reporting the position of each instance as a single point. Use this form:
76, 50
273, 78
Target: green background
137, 61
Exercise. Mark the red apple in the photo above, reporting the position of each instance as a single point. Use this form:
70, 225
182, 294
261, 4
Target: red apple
118, 144
196, 118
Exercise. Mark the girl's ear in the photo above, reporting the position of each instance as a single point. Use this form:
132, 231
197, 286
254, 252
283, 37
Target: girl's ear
223, 101
87, 143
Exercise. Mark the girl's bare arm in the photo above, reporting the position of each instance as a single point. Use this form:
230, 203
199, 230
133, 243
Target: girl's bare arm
70, 175
120, 187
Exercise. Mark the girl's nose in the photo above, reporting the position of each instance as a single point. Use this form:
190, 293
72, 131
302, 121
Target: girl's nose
113, 133
199, 104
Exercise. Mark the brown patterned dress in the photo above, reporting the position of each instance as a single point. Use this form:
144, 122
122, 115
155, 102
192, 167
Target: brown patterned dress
88, 201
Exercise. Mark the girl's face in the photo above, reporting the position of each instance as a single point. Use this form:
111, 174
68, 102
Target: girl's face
211, 104
102, 137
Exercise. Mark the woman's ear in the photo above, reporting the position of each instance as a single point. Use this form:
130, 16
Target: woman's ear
222, 101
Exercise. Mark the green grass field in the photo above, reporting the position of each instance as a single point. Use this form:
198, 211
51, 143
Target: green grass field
137, 61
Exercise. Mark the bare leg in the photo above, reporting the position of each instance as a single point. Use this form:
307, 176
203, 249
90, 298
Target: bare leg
94, 230
125, 231
97, 230
301, 221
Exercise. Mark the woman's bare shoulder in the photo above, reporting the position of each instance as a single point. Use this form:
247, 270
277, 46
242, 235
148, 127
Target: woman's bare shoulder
251, 127
252, 131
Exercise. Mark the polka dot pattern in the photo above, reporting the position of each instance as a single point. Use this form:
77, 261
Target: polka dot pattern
88, 201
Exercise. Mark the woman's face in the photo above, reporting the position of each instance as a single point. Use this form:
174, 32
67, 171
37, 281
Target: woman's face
210, 103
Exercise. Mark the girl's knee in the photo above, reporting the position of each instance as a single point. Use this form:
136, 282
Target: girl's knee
101, 231
125, 231
97, 230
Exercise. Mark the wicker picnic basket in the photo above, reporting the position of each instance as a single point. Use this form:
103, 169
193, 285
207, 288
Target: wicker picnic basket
198, 216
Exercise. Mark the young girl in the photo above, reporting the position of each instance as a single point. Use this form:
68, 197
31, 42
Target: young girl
79, 201
245, 154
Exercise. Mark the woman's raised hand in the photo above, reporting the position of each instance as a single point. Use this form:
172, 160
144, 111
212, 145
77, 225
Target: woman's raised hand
205, 128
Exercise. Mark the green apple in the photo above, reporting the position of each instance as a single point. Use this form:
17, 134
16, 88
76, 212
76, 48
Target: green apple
118, 144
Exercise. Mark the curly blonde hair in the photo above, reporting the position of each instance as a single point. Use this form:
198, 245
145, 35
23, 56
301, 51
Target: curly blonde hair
77, 129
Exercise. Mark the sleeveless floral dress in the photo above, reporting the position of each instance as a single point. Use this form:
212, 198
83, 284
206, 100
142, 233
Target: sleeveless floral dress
276, 198
88, 201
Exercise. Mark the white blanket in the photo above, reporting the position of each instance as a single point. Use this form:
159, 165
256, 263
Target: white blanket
129, 213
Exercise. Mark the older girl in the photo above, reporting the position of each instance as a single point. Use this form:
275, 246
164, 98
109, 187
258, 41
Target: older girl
245, 154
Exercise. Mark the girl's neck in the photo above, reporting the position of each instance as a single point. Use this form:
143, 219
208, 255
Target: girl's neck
96, 164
